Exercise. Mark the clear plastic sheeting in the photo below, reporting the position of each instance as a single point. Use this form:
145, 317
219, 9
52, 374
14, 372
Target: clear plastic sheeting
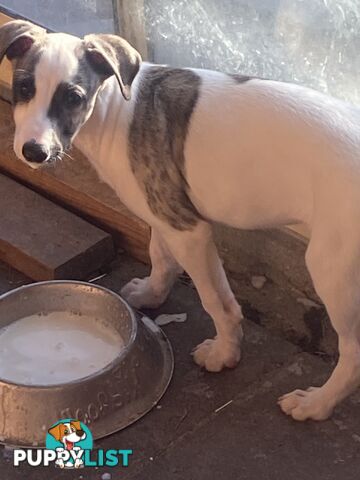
78, 17
310, 42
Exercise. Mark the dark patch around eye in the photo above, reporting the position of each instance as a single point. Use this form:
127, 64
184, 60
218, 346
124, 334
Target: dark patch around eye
23, 88
73, 99
67, 110
66, 96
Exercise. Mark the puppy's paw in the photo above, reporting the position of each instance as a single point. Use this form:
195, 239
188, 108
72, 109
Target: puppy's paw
305, 404
139, 293
60, 463
216, 354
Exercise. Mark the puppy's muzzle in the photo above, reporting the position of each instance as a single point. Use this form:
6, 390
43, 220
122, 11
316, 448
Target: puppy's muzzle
35, 152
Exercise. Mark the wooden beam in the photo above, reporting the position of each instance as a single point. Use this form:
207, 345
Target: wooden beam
132, 26
45, 241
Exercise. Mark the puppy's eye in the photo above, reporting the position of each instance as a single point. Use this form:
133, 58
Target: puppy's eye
66, 431
25, 89
73, 99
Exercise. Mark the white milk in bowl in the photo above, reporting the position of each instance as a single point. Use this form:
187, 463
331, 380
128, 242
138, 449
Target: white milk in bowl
54, 348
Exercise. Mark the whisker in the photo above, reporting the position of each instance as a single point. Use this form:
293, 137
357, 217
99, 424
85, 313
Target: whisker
59, 158
67, 155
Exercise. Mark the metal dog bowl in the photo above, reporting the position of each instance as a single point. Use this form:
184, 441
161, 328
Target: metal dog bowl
108, 400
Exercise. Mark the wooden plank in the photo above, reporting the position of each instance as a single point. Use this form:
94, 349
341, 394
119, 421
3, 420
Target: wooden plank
75, 184
45, 241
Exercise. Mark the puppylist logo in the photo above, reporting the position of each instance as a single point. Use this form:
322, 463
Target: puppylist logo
69, 444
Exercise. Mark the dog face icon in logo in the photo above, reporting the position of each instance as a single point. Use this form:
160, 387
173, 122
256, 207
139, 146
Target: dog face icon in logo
69, 438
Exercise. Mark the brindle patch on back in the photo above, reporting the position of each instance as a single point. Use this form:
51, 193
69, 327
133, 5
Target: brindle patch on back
239, 78
165, 101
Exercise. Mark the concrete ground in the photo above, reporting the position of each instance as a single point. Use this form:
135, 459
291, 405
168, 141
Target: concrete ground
189, 437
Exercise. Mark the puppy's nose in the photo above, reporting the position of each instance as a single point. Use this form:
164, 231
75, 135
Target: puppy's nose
80, 433
35, 152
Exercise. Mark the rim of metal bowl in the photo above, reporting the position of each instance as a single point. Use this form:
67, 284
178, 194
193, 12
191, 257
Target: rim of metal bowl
167, 375
109, 366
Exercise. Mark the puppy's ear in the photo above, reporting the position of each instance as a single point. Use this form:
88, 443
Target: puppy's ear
56, 432
76, 424
17, 37
112, 55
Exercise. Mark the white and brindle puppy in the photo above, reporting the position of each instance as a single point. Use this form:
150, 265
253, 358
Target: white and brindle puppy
192, 147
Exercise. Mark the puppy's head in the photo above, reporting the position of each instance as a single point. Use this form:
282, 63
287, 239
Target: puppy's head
56, 78
68, 433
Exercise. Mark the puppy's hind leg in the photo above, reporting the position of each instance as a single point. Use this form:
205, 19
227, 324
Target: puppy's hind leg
335, 270
152, 291
196, 252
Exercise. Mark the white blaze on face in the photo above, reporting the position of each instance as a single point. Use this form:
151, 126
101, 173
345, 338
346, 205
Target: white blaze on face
57, 63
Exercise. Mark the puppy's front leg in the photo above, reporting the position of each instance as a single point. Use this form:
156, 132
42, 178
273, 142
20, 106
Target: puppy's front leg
196, 252
152, 291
